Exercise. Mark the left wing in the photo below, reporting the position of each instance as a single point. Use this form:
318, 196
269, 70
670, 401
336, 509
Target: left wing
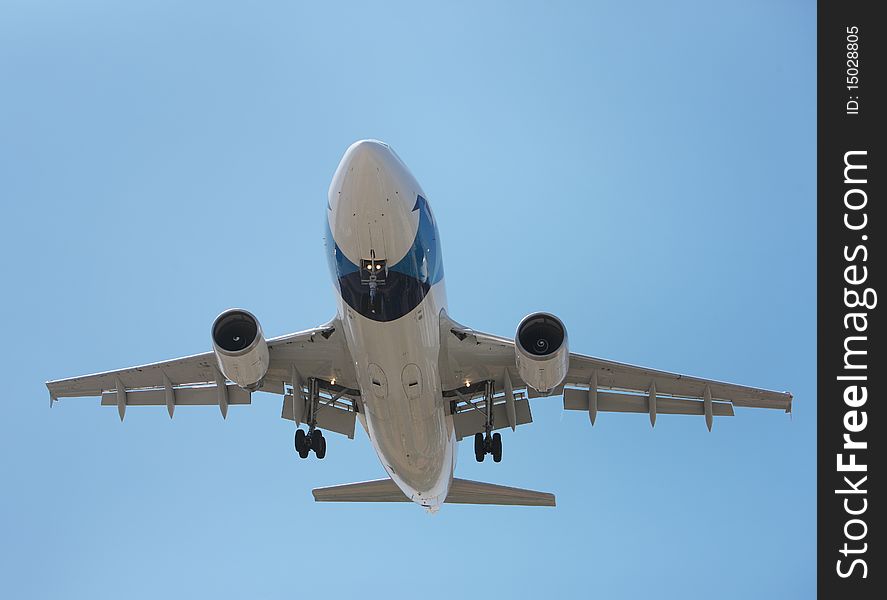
596, 384
196, 380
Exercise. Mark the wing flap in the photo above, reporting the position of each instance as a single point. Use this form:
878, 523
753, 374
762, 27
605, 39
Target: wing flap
330, 417
183, 396
576, 399
469, 422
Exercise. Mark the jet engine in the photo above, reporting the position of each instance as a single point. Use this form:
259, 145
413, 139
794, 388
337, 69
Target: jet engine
541, 350
240, 347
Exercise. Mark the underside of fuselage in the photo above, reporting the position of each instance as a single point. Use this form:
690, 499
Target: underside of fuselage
384, 256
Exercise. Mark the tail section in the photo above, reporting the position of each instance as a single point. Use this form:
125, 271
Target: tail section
463, 491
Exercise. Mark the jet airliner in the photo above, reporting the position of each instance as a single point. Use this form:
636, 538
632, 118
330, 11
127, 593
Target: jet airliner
394, 360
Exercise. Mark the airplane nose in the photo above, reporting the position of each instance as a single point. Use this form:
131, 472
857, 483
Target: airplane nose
367, 153
371, 203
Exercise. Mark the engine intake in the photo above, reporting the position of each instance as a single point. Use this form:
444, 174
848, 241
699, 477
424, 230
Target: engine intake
542, 352
240, 347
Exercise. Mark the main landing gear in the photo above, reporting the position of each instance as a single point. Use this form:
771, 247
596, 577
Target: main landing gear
487, 444
484, 443
313, 440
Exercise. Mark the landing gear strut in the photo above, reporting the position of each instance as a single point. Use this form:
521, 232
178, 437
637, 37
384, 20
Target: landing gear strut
485, 443
313, 440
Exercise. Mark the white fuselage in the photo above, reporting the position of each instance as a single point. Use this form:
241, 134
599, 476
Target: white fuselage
385, 257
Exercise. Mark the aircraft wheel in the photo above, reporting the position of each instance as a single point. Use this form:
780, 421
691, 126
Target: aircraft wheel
497, 447
321, 450
301, 443
316, 440
478, 443
479, 450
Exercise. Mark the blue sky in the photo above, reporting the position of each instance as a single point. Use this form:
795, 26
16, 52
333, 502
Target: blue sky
643, 170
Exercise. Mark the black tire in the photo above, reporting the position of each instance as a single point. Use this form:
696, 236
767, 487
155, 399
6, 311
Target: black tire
497, 447
316, 440
479, 450
301, 443
321, 452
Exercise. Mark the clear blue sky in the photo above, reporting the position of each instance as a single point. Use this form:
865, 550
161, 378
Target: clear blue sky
643, 170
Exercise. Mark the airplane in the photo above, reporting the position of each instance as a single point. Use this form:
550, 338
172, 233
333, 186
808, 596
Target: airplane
394, 360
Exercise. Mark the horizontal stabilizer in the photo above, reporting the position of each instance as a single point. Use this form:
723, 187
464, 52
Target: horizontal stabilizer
378, 490
463, 491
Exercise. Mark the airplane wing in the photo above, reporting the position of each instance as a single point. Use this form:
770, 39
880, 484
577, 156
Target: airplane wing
196, 380
596, 384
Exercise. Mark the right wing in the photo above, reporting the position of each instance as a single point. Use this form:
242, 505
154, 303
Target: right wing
319, 353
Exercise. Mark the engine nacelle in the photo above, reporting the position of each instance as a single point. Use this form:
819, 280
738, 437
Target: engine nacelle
542, 352
240, 347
